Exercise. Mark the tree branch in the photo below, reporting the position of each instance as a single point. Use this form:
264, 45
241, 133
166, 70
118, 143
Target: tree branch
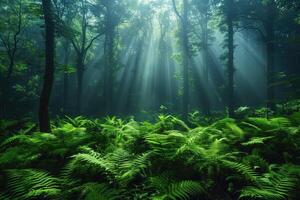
261, 33
92, 41
176, 10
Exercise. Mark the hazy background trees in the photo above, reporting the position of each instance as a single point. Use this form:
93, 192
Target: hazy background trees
135, 57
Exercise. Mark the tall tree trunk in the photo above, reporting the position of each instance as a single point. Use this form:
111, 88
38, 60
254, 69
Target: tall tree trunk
160, 82
270, 37
185, 45
2, 95
10, 68
270, 71
132, 100
201, 90
80, 73
205, 43
206, 103
66, 78
230, 61
44, 119
185, 55
110, 60
6, 88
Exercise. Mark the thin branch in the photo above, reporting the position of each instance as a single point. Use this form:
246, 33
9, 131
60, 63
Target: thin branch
92, 41
75, 46
176, 10
262, 34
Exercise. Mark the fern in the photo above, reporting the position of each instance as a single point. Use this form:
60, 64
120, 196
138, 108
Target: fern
272, 185
176, 190
245, 170
130, 168
118, 165
124, 159
166, 145
257, 140
99, 191
30, 183
270, 124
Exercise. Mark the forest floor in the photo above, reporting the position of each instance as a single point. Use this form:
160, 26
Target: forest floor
251, 157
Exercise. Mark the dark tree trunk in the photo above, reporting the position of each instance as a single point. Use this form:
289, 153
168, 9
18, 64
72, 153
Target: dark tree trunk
2, 96
185, 55
230, 61
7, 90
10, 68
44, 119
205, 44
185, 45
161, 88
132, 100
206, 103
80, 73
66, 79
270, 37
201, 91
110, 60
270, 71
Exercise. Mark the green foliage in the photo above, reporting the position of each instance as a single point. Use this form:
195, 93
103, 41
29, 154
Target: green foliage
111, 158
257, 140
30, 183
92, 191
272, 185
175, 190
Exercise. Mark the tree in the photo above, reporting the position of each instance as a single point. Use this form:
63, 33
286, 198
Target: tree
228, 11
65, 12
202, 34
13, 20
183, 18
229, 15
114, 14
263, 17
109, 54
82, 41
44, 119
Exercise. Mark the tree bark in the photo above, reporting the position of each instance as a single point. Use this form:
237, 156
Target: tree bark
80, 73
270, 37
66, 79
206, 103
205, 43
230, 62
44, 119
110, 60
185, 45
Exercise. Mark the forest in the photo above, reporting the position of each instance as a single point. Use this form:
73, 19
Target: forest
149, 99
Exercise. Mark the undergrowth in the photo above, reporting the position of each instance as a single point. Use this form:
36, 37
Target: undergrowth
111, 158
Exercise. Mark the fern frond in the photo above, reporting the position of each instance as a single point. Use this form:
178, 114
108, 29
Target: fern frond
257, 140
99, 191
270, 124
166, 145
177, 190
258, 193
30, 183
273, 185
132, 167
93, 158
245, 170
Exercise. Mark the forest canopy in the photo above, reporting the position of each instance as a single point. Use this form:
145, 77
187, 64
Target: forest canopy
140, 56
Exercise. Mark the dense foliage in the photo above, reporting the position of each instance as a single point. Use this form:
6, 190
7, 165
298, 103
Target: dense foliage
133, 59
247, 158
